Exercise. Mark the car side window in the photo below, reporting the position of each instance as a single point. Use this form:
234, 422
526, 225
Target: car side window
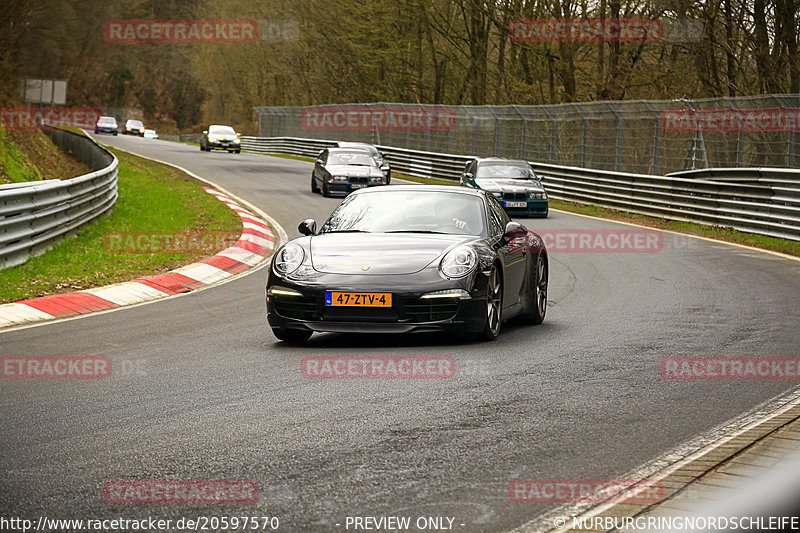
323, 157
496, 214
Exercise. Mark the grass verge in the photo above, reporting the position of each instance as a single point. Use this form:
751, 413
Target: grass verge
154, 200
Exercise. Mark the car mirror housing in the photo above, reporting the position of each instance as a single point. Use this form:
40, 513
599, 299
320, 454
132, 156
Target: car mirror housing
205, 132
308, 227
238, 134
513, 230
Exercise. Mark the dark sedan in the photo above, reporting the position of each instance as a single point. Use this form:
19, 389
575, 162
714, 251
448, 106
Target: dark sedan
376, 154
343, 170
513, 182
106, 125
411, 258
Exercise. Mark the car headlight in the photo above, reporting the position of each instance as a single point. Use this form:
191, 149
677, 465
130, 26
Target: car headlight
459, 262
236, 141
377, 179
497, 194
289, 258
537, 195
338, 178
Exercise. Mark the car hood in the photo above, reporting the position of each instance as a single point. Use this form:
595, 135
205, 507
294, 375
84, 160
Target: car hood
353, 170
382, 253
215, 137
509, 186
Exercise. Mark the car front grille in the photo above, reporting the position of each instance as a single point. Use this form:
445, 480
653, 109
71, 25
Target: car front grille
431, 310
515, 196
298, 307
362, 179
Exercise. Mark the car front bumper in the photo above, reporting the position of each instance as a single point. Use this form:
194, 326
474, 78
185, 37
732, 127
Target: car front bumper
407, 314
535, 207
102, 129
220, 145
345, 187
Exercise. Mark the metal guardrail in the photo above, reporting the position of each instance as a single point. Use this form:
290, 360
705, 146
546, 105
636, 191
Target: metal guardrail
36, 215
767, 202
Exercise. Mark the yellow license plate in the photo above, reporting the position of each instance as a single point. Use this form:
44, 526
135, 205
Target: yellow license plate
359, 299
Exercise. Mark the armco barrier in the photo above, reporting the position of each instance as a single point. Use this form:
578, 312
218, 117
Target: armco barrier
35, 215
763, 201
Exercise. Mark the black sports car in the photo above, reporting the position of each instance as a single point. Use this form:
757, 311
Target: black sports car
411, 258
343, 170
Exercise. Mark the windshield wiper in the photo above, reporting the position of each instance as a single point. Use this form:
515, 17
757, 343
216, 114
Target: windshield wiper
348, 231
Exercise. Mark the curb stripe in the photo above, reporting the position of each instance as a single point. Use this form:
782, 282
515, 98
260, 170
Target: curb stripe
255, 243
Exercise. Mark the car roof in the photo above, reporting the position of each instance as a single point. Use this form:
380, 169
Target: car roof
346, 150
348, 144
220, 126
420, 188
499, 160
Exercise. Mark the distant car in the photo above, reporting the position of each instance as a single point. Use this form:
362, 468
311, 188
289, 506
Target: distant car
218, 137
513, 182
343, 170
106, 125
379, 158
150, 134
134, 127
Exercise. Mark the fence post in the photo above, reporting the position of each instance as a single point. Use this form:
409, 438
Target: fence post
585, 133
740, 135
524, 131
790, 143
474, 127
552, 135
496, 130
656, 134
618, 154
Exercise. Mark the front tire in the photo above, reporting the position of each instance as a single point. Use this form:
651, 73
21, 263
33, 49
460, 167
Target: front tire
325, 191
536, 316
291, 335
314, 187
494, 306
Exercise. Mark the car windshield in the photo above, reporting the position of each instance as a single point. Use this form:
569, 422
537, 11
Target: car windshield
408, 212
221, 130
350, 158
505, 171
135, 124
107, 120
368, 147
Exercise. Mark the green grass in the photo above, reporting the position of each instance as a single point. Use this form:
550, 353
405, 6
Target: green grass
775, 244
153, 198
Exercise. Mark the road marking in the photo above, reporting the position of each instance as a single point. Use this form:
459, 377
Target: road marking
255, 245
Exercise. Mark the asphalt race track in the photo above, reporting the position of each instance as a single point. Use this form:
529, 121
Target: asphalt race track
217, 397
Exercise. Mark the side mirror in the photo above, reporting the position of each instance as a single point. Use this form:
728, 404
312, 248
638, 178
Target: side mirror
238, 134
514, 230
308, 227
205, 132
